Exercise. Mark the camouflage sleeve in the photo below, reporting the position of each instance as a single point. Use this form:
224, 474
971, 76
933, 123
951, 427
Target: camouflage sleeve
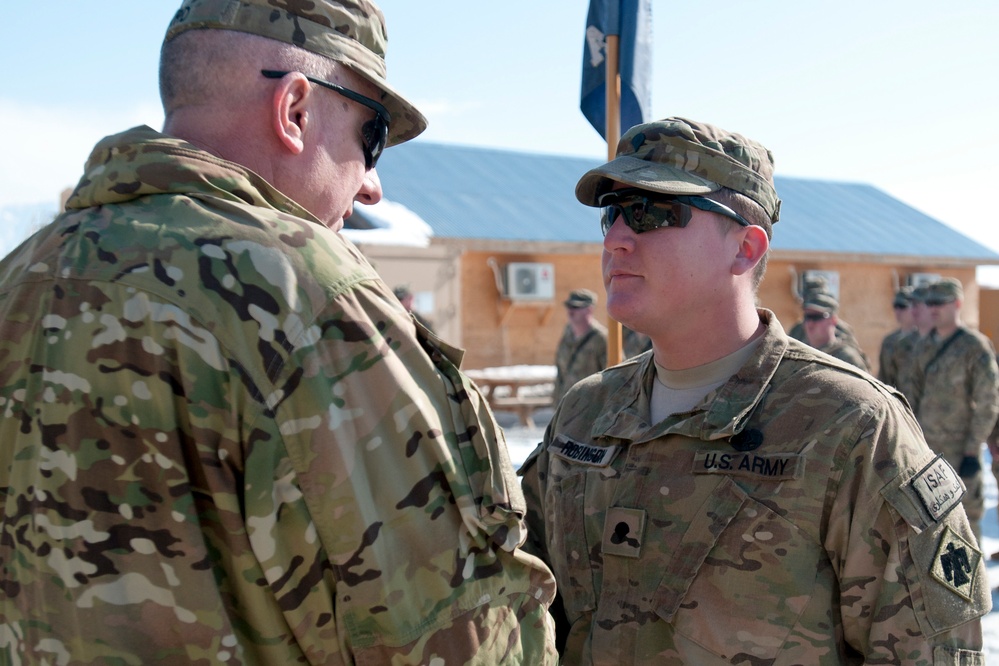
414, 498
985, 398
913, 583
886, 362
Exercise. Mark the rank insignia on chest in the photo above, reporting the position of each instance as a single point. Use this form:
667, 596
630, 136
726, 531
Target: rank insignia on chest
956, 564
577, 452
624, 530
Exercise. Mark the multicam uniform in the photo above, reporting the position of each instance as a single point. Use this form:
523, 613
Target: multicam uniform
892, 350
957, 404
577, 358
794, 517
842, 351
222, 443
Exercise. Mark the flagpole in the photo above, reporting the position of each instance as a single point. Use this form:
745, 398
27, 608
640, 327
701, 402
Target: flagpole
613, 126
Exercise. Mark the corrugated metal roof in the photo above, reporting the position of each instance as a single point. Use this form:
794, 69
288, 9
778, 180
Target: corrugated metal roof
487, 193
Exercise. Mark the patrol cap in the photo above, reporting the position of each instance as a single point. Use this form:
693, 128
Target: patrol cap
820, 301
945, 290
401, 291
580, 298
903, 297
919, 293
680, 156
351, 32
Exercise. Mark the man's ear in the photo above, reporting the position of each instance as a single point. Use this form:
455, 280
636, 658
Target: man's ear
753, 244
290, 111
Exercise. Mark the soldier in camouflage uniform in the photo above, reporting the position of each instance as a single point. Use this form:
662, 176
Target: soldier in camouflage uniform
888, 355
736, 497
844, 332
919, 340
582, 350
958, 391
222, 438
819, 320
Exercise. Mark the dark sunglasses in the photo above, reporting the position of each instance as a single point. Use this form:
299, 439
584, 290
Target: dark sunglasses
901, 307
936, 302
816, 316
643, 210
374, 132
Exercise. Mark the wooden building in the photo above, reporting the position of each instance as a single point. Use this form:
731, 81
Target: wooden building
508, 241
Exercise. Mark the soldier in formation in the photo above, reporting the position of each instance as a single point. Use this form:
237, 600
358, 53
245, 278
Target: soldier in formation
582, 350
819, 320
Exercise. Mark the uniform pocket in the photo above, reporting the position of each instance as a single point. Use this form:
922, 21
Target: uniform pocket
741, 579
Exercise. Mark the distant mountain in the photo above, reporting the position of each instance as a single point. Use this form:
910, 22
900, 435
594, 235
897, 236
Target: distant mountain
20, 221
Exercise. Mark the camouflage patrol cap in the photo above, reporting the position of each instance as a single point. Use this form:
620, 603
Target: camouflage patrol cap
945, 290
820, 301
903, 297
352, 33
679, 156
580, 298
919, 293
401, 291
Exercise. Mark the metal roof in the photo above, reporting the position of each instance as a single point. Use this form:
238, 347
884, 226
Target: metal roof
487, 193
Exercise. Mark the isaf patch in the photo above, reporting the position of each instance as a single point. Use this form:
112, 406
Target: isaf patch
956, 564
939, 487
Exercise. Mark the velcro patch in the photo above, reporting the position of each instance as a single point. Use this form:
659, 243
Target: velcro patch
588, 454
956, 564
939, 487
770, 466
623, 531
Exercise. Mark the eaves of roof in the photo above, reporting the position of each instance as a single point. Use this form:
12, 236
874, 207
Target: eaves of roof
466, 192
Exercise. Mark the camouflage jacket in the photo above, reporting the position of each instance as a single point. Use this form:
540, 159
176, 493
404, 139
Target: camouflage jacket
579, 358
794, 517
892, 349
221, 442
958, 392
844, 352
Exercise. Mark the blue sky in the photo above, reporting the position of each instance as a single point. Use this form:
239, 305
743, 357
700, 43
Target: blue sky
900, 95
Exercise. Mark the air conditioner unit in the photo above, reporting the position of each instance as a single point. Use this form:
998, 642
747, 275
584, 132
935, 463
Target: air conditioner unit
530, 281
919, 279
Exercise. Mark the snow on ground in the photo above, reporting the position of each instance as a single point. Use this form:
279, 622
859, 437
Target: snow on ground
521, 441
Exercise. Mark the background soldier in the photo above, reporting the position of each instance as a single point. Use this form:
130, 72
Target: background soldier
888, 357
959, 389
583, 347
820, 320
735, 496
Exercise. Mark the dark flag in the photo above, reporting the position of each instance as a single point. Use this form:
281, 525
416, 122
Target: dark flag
632, 20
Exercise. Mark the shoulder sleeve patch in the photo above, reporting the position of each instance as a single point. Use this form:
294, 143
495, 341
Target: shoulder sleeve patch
939, 487
956, 564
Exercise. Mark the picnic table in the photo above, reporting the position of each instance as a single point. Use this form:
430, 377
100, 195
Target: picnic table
518, 388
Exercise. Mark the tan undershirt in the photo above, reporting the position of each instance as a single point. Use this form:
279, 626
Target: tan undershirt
678, 391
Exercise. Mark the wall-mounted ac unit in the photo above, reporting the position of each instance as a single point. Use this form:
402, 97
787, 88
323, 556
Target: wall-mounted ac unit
919, 279
530, 281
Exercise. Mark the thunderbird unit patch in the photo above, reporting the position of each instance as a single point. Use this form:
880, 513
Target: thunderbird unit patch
955, 564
